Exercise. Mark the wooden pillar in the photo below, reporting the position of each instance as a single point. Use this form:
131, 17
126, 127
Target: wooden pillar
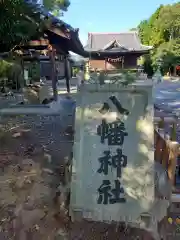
105, 64
53, 73
122, 62
173, 154
175, 67
22, 84
67, 74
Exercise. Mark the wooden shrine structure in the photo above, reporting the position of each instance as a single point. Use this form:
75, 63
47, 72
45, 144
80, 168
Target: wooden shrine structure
52, 48
112, 51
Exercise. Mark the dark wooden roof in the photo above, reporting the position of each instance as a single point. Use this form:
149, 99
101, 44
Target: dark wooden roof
39, 44
60, 32
57, 32
128, 41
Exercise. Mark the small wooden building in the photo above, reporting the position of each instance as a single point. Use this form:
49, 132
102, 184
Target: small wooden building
51, 49
109, 51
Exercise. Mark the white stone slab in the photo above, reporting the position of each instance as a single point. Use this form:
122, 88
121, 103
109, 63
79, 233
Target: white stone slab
137, 178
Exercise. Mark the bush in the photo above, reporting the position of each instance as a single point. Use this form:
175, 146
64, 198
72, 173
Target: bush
10, 74
4, 68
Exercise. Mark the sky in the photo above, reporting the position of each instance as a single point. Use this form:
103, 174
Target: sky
109, 15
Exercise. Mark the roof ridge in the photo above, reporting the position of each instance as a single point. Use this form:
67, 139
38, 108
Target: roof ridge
120, 44
112, 42
117, 33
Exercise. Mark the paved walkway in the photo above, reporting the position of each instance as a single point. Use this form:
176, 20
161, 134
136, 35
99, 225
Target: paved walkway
167, 98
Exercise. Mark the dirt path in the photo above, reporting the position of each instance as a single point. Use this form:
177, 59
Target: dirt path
33, 152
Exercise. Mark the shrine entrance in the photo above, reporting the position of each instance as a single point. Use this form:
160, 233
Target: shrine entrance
114, 63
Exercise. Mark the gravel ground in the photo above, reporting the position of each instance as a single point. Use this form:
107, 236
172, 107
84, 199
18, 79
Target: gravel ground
32, 153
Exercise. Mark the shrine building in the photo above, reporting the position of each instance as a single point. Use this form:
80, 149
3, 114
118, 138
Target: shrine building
110, 51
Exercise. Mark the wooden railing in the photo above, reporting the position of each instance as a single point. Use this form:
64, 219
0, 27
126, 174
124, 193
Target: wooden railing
166, 146
166, 153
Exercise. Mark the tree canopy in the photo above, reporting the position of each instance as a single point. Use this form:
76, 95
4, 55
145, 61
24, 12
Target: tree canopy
56, 6
21, 21
162, 31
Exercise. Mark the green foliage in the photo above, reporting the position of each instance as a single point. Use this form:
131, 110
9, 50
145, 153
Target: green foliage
123, 76
75, 71
10, 74
147, 65
149, 32
19, 23
7, 74
169, 52
162, 31
4, 68
143, 29
57, 6
169, 21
